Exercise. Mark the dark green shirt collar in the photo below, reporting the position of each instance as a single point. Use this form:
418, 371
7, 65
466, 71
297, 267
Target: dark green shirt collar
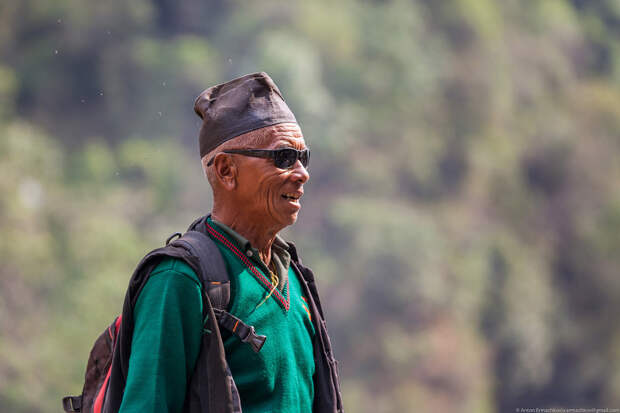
279, 251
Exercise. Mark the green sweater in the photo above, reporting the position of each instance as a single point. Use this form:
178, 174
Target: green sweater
168, 325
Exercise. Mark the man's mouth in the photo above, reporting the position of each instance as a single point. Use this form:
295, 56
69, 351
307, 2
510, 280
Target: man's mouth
292, 196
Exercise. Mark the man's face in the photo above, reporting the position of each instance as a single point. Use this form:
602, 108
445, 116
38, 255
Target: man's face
269, 194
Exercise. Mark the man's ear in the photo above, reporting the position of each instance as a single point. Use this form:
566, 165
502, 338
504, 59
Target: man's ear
225, 171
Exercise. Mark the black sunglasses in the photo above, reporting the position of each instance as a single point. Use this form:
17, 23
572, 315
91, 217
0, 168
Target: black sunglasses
283, 158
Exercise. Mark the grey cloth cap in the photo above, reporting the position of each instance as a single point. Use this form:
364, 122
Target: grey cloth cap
239, 106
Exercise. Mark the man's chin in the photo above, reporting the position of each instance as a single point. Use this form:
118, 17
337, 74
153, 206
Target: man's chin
290, 219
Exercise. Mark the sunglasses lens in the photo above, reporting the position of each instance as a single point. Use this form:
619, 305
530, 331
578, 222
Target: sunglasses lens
286, 158
304, 157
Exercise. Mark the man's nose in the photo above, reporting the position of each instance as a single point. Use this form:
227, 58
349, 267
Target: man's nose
300, 173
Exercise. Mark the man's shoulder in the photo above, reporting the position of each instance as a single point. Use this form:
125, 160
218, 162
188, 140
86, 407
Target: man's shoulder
175, 266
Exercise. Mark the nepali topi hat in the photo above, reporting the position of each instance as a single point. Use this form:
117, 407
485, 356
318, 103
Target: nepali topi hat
239, 106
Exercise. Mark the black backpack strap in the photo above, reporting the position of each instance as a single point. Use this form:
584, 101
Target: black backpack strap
202, 247
213, 272
214, 277
212, 385
198, 224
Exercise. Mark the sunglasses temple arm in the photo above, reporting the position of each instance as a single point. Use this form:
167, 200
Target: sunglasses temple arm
258, 153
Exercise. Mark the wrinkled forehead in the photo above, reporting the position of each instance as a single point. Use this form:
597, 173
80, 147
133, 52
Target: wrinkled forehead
284, 135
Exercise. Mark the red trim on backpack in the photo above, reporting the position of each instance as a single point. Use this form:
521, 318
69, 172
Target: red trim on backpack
252, 267
101, 394
117, 324
99, 400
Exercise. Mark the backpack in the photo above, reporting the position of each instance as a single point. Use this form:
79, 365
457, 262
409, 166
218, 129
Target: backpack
201, 253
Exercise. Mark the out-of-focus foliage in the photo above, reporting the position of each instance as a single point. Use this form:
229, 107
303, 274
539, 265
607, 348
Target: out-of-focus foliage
463, 212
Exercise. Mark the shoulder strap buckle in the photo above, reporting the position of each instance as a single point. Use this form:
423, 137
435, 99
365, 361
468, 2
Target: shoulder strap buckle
246, 333
72, 404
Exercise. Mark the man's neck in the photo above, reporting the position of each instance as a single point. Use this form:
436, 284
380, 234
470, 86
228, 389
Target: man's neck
260, 236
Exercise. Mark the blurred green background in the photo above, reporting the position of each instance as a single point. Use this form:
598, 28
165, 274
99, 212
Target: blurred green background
463, 211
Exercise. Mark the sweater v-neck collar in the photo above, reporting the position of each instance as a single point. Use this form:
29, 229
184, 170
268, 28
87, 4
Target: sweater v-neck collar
243, 249
279, 251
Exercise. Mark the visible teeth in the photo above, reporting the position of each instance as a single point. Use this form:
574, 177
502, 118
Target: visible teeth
291, 196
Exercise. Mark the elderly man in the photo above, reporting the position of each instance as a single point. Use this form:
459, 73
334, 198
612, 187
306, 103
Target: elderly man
255, 159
